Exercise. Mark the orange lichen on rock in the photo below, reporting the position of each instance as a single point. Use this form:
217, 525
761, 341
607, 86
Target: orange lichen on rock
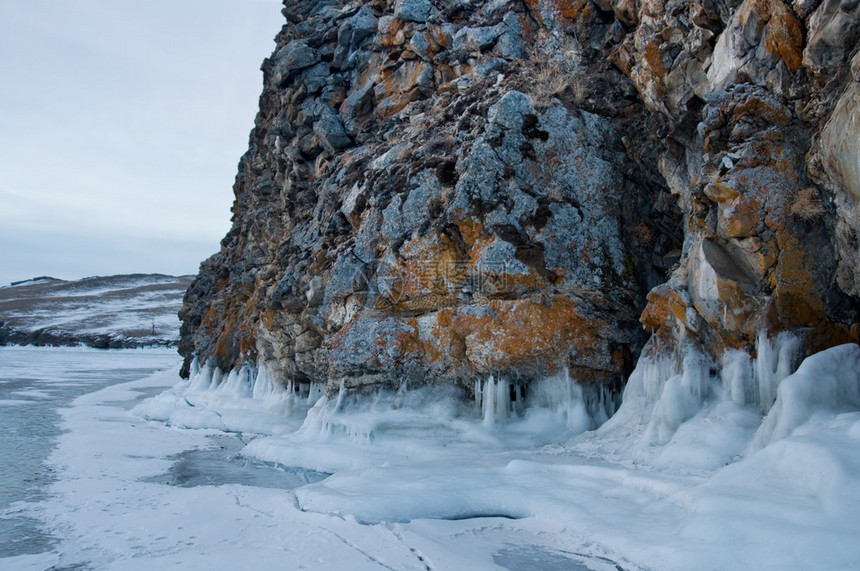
753, 107
720, 192
430, 265
741, 217
470, 229
652, 58
573, 9
401, 87
663, 302
778, 27
796, 299
443, 344
231, 327
521, 333
392, 34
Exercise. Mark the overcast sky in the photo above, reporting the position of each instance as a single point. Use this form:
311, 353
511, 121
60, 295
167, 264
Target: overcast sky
121, 126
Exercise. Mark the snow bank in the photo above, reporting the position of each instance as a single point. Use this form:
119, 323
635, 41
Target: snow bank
824, 383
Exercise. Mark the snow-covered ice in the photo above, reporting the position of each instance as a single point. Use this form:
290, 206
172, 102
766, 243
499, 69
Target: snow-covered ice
731, 465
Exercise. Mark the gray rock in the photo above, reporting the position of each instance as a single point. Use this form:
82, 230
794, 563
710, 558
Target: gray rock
475, 39
363, 24
389, 278
367, 238
307, 341
294, 56
368, 344
510, 111
491, 67
315, 292
357, 107
499, 257
316, 77
426, 189
564, 237
347, 276
524, 205
832, 27
482, 171
393, 227
510, 43
330, 131
420, 45
391, 157
356, 28
413, 10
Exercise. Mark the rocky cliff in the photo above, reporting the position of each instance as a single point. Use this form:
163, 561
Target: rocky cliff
438, 190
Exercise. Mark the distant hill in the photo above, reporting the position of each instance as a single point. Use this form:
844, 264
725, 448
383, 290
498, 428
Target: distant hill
106, 312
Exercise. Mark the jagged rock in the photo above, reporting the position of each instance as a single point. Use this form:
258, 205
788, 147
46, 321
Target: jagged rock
355, 29
330, 131
476, 39
294, 56
833, 31
836, 154
412, 10
763, 42
440, 191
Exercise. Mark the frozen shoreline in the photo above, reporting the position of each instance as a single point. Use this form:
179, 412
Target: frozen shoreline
421, 485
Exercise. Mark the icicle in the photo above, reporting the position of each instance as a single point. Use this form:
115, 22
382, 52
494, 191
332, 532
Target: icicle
202, 381
400, 396
503, 401
315, 393
648, 383
789, 347
265, 387
599, 413
696, 374
518, 404
237, 383
737, 377
217, 376
341, 394
765, 371
774, 363
489, 402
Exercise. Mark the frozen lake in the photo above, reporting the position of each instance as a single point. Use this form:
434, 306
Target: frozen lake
114, 466
34, 383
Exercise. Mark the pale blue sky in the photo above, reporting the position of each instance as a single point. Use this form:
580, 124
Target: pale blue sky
121, 125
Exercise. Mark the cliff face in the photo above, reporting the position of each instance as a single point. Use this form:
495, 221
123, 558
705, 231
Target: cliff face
440, 190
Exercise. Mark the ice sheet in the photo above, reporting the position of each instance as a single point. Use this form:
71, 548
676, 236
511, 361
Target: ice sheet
421, 481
